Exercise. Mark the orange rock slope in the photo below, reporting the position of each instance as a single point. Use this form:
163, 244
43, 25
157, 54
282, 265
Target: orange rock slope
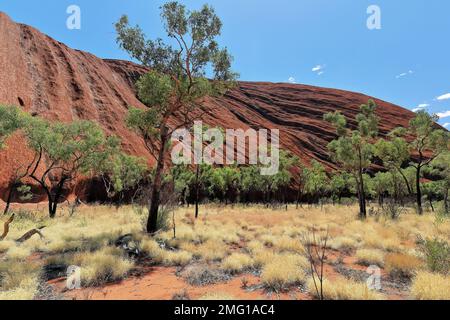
54, 81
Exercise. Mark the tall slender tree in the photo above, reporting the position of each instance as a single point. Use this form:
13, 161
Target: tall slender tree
354, 149
177, 83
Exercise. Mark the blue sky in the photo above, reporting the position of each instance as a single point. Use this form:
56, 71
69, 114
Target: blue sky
317, 42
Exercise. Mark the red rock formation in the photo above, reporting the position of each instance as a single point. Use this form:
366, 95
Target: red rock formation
54, 81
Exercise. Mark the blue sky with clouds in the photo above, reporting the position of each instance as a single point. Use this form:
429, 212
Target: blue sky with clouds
317, 42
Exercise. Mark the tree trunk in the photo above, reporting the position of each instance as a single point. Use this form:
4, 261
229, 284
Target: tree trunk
152, 222
197, 190
9, 199
362, 197
419, 191
431, 204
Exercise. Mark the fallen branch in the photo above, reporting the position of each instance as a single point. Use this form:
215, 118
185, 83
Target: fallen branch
6, 227
31, 233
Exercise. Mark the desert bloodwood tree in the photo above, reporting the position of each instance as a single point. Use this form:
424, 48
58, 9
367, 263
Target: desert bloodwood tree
177, 83
354, 149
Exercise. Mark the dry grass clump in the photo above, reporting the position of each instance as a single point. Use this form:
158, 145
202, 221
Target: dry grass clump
152, 250
18, 253
430, 286
5, 245
212, 250
18, 280
344, 289
283, 271
105, 265
402, 265
369, 257
237, 262
177, 258
342, 243
285, 243
263, 257
201, 275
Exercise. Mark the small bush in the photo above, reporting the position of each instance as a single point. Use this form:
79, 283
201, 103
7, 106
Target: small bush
204, 275
431, 286
437, 255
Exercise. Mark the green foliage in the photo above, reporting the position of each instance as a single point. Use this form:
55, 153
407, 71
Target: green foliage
25, 192
177, 82
437, 254
354, 149
11, 119
119, 171
316, 179
67, 148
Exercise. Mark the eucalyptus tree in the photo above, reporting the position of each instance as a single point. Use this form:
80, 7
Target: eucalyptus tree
339, 183
251, 181
394, 153
354, 149
427, 142
176, 83
440, 169
316, 180
62, 152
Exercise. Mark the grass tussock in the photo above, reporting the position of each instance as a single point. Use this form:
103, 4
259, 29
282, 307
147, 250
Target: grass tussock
430, 286
369, 257
237, 262
102, 266
402, 265
283, 271
344, 289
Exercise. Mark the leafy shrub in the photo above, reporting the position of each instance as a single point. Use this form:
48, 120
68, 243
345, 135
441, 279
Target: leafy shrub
437, 254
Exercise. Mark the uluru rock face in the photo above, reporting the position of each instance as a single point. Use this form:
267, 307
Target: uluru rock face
51, 80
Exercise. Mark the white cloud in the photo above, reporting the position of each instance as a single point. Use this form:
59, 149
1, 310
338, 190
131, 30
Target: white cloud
443, 97
319, 69
444, 114
420, 107
404, 74
292, 80
446, 125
